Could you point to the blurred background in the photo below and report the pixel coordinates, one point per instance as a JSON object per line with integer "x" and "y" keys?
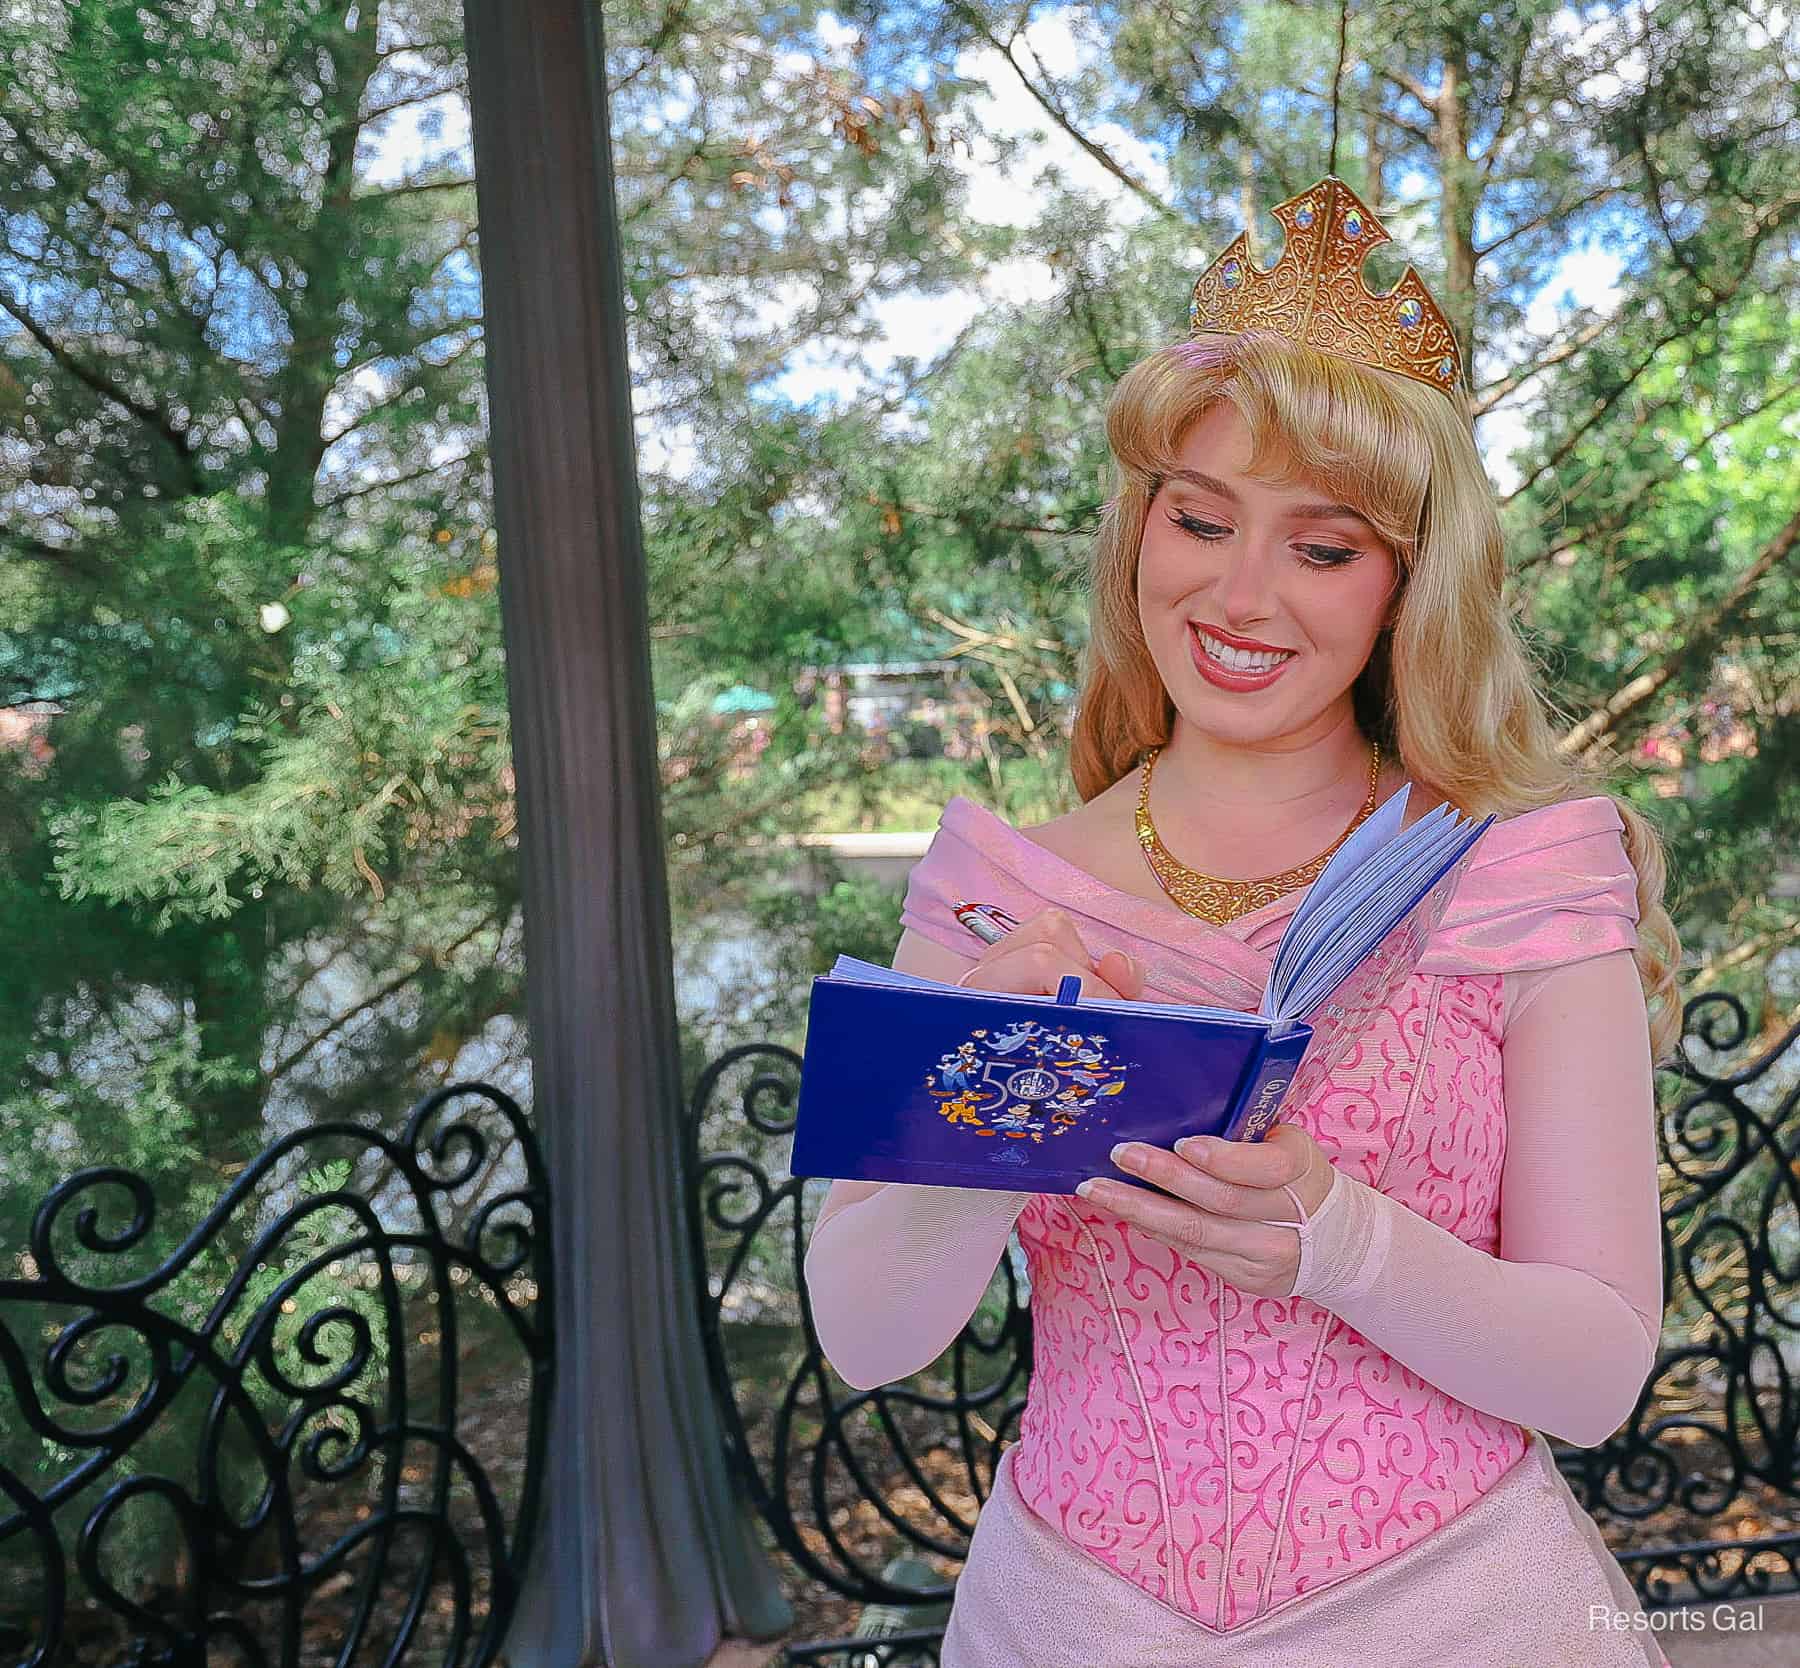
{"x": 883, "y": 264}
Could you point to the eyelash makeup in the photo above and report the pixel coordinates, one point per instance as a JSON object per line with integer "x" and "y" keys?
{"x": 1326, "y": 555}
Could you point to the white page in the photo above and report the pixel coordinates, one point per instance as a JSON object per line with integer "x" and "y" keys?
{"x": 1384, "y": 898}
{"x": 852, "y": 970}
{"x": 1402, "y": 854}
{"x": 1334, "y": 964}
{"x": 1328, "y": 966}
{"x": 1375, "y": 830}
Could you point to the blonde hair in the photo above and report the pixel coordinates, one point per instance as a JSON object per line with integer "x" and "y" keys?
{"x": 1448, "y": 689}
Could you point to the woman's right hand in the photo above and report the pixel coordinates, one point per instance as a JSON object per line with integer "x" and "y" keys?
{"x": 1039, "y": 953}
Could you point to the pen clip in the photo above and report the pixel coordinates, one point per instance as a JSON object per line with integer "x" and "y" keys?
{"x": 1068, "y": 990}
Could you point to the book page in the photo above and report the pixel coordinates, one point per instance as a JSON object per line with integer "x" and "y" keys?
{"x": 1386, "y": 888}
{"x": 856, "y": 971}
{"x": 1331, "y": 930}
{"x": 1327, "y": 963}
{"x": 1346, "y": 1013}
{"x": 1365, "y": 841}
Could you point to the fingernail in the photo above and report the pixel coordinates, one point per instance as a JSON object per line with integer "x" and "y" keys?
{"x": 1085, "y": 1188}
{"x": 1196, "y": 1148}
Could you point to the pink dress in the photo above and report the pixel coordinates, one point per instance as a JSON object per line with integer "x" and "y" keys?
{"x": 1355, "y": 1472}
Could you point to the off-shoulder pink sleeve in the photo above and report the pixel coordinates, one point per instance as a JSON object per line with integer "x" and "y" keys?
{"x": 1559, "y": 1331}
{"x": 1550, "y": 887}
{"x": 893, "y": 1272}
{"x": 962, "y": 864}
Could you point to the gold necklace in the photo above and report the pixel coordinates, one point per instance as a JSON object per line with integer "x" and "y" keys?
{"x": 1222, "y": 901}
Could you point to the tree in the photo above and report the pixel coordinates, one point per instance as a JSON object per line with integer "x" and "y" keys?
{"x": 263, "y": 811}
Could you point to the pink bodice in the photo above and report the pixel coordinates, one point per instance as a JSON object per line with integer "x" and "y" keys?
{"x": 1229, "y": 1453}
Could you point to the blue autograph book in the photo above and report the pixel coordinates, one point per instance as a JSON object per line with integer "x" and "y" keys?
{"x": 911, "y": 1079}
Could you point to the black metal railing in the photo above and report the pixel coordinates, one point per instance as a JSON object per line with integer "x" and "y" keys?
{"x": 1699, "y": 1492}
{"x": 1713, "y": 1442}
{"x": 256, "y": 1440}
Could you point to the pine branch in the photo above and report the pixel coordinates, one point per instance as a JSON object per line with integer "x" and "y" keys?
{"x": 90, "y": 377}
{"x": 1606, "y": 719}
{"x": 1622, "y": 514}
{"x": 73, "y": 561}
{"x": 1562, "y": 211}
{"x": 400, "y": 480}
{"x": 1509, "y": 98}
{"x": 1409, "y": 83}
{"x": 374, "y": 1000}
{"x": 1055, "y": 111}
{"x": 1678, "y": 330}
{"x": 1503, "y": 388}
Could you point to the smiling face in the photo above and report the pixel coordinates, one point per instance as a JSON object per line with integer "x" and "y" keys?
{"x": 1280, "y": 566}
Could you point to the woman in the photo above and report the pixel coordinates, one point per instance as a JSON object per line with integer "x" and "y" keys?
{"x": 1291, "y": 1408}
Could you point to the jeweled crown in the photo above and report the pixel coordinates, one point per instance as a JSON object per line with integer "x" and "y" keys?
{"x": 1315, "y": 293}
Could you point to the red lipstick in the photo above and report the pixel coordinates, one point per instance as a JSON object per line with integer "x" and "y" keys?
{"x": 1232, "y": 638}
{"x": 1223, "y": 676}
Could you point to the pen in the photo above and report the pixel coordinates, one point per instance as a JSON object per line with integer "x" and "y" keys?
{"x": 988, "y": 922}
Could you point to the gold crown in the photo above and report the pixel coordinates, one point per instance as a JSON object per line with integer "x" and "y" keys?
{"x": 1315, "y": 293}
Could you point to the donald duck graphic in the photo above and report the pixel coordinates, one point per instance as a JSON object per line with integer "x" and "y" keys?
{"x": 1024, "y": 1082}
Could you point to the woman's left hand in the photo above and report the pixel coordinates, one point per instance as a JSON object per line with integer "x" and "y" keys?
{"x": 1229, "y": 1208}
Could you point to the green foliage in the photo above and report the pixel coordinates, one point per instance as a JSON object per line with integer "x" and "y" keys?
{"x": 849, "y": 917}
{"x": 257, "y": 862}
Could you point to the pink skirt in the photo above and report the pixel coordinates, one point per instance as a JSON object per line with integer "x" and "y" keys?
{"x": 1520, "y": 1577}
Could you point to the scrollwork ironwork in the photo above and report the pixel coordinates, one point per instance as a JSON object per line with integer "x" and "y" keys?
{"x": 299, "y": 1429}
{"x": 1715, "y": 1439}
